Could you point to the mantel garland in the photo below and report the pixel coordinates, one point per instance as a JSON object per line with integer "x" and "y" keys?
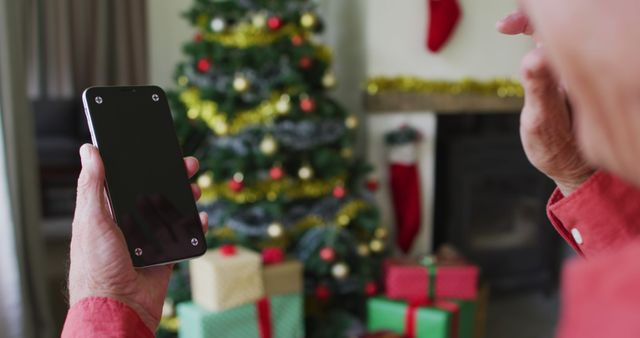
{"x": 501, "y": 87}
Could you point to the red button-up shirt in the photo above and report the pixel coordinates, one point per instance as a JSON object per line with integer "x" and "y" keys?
{"x": 600, "y": 294}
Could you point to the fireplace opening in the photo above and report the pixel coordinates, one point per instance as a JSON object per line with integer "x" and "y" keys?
{"x": 490, "y": 202}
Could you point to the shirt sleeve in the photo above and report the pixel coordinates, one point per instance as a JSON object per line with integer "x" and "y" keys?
{"x": 600, "y": 296}
{"x": 600, "y": 215}
{"x": 103, "y": 317}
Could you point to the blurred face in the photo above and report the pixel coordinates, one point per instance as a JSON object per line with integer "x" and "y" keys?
{"x": 594, "y": 47}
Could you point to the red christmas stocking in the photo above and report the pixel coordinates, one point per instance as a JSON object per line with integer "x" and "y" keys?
{"x": 443, "y": 19}
{"x": 405, "y": 185}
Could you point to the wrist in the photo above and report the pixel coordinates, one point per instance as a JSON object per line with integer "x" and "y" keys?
{"x": 569, "y": 186}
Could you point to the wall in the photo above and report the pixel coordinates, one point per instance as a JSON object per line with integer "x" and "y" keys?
{"x": 396, "y": 35}
{"x": 167, "y": 32}
{"x": 390, "y": 37}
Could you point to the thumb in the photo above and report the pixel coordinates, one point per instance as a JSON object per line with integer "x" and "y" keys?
{"x": 90, "y": 193}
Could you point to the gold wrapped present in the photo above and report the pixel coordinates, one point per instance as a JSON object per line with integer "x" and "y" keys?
{"x": 226, "y": 277}
{"x": 282, "y": 278}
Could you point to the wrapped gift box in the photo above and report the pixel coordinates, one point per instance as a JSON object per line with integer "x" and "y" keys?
{"x": 273, "y": 317}
{"x": 225, "y": 278}
{"x": 282, "y": 278}
{"x": 409, "y": 280}
{"x": 382, "y": 334}
{"x": 467, "y": 318}
{"x": 436, "y": 321}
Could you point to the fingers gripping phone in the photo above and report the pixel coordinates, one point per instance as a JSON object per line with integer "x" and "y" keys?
{"x": 146, "y": 180}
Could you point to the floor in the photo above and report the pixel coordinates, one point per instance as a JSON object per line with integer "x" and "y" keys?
{"x": 522, "y": 316}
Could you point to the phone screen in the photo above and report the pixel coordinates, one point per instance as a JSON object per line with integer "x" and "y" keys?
{"x": 146, "y": 179}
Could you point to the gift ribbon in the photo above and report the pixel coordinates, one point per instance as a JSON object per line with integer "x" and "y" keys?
{"x": 263, "y": 310}
{"x": 432, "y": 270}
{"x": 411, "y": 322}
{"x": 410, "y": 325}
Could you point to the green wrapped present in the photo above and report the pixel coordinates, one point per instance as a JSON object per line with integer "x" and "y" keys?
{"x": 273, "y": 317}
{"x": 437, "y": 320}
{"x": 466, "y": 318}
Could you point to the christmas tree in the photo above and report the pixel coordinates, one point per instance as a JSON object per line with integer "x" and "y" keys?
{"x": 277, "y": 167}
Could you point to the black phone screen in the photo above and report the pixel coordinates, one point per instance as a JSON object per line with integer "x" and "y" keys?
{"x": 146, "y": 179}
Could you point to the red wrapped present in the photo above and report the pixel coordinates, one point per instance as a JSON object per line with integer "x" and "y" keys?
{"x": 420, "y": 281}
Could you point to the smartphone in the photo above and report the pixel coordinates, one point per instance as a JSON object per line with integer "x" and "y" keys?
{"x": 148, "y": 190}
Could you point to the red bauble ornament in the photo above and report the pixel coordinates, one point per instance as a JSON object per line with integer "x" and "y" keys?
{"x": 228, "y": 250}
{"x": 305, "y": 62}
{"x": 297, "y": 40}
{"x": 339, "y": 192}
{"x": 272, "y": 256}
{"x": 235, "y": 186}
{"x": 327, "y": 254}
{"x": 372, "y": 185}
{"x": 274, "y": 23}
{"x": 197, "y": 37}
{"x": 204, "y": 65}
{"x": 322, "y": 292}
{"x": 370, "y": 288}
{"x": 307, "y": 105}
{"x": 276, "y": 173}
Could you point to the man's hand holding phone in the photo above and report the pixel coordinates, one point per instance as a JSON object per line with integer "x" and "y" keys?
{"x": 101, "y": 265}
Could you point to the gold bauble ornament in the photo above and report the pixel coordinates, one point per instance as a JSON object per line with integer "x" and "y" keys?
{"x": 381, "y": 233}
{"x": 205, "y": 180}
{"x": 275, "y": 230}
{"x": 363, "y": 250}
{"x": 346, "y": 153}
{"x": 272, "y": 196}
{"x": 344, "y": 220}
{"x": 259, "y": 20}
{"x": 268, "y": 146}
{"x": 283, "y": 105}
{"x": 240, "y": 83}
{"x": 183, "y": 80}
{"x": 305, "y": 172}
{"x": 329, "y": 80}
{"x": 308, "y": 20}
{"x": 376, "y": 245}
{"x": 340, "y": 270}
{"x": 351, "y": 122}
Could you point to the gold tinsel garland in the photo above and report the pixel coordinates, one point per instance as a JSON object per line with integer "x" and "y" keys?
{"x": 246, "y": 35}
{"x": 207, "y": 110}
{"x": 502, "y": 87}
{"x": 271, "y": 189}
{"x": 342, "y": 218}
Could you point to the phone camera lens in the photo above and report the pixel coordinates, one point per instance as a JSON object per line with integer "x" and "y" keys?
{"x": 194, "y": 241}
{"x": 138, "y": 252}
{"x": 98, "y": 99}
{"x": 155, "y": 97}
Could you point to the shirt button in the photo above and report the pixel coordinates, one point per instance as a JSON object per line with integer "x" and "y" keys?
{"x": 577, "y": 236}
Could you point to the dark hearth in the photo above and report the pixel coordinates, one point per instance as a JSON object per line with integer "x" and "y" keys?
{"x": 490, "y": 202}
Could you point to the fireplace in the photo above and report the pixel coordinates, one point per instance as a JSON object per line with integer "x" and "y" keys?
{"x": 490, "y": 202}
